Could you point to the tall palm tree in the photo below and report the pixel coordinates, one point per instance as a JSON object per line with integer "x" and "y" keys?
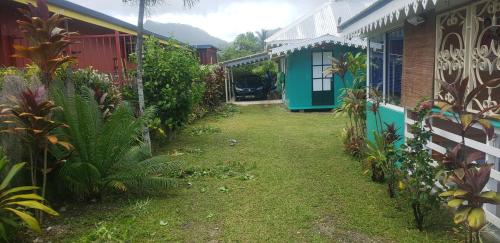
{"x": 262, "y": 35}
{"x": 140, "y": 41}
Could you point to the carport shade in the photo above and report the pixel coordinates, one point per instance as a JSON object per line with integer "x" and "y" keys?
{"x": 242, "y": 61}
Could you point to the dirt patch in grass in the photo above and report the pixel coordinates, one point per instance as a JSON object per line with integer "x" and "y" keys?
{"x": 328, "y": 227}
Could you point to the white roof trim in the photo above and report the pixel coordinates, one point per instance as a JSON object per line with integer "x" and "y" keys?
{"x": 286, "y": 49}
{"x": 390, "y": 13}
{"x": 255, "y": 58}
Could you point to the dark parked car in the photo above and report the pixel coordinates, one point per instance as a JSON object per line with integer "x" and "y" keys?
{"x": 250, "y": 87}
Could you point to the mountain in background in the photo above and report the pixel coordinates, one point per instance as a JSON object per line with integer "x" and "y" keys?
{"x": 185, "y": 33}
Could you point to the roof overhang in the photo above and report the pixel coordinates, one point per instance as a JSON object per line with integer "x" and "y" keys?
{"x": 87, "y": 15}
{"x": 326, "y": 39}
{"x": 383, "y": 13}
{"x": 255, "y": 58}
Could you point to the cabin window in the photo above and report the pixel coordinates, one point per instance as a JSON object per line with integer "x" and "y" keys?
{"x": 394, "y": 66}
{"x": 377, "y": 63}
{"x": 386, "y": 65}
{"x": 321, "y": 61}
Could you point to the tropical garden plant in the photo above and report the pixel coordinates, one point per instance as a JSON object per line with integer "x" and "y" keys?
{"x": 46, "y": 40}
{"x": 172, "y": 82}
{"x": 108, "y": 155}
{"x": 418, "y": 180}
{"x": 15, "y": 203}
{"x": 213, "y": 80}
{"x": 383, "y": 156}
{"x": 464, "y": 177}
{"x": 29, "y": 116}
{"x": 107, "y": 94}
{"x": 353, "y": 100}
{"x": 377, "y": 173}
{"x": 143, "y": 5}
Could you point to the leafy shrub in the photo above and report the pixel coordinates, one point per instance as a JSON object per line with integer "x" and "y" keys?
{"x": 108, "y": 154}
{"x": 419, "y": 174}
{"x": 15, "y": 202}
{"x": 28, "y": 74}
{"x": 213, "y": 79}
{"x": 106, "y": 93}
{"x": 170, "y": 75}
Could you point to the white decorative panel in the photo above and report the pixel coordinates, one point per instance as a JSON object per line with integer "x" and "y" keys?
{"x": 468, "y": 42}
{"x": 485, "y": 53}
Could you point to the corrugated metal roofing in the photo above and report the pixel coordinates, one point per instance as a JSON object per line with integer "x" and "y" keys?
{"x": 322, "y": 21}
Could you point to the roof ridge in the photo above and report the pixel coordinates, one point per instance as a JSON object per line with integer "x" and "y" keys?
{"x": 302, "y": 18}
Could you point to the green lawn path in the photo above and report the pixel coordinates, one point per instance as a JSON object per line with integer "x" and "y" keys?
{"x": 298, "y": 186}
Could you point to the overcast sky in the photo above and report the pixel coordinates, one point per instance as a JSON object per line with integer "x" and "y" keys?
{"x": 221, "y": 18}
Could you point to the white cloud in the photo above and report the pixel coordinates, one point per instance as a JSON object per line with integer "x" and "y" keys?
{"x": 234, "y": 18}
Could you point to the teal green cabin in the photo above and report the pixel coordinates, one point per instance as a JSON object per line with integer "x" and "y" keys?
{"x": 305, "y": 89}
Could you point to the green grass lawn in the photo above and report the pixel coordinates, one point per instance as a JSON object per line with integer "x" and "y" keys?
{"x": 285, "y": 179}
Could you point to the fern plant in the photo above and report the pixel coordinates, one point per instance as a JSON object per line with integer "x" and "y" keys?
{"x": 15, "y": 202}
{"x": 107, "y": 153}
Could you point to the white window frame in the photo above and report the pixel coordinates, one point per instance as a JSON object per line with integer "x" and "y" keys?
{"x": 323, "y": 65}
{"x": 384, "y": 73}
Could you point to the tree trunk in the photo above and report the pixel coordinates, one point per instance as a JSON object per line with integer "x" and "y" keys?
{"x": 139, "y": 47}
{"x": 419, "y": 218}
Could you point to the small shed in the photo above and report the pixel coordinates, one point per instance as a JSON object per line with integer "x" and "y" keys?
{"x": 306, "y": 48}
{"x": 207, "y": 54}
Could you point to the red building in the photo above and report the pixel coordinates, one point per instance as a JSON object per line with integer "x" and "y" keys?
{"x": 207, "y": 54}
{"x": 104, "y": 42}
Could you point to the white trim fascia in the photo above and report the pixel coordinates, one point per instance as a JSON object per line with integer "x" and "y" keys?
{"x": 388, "y": 14}
{"x": 286, "y": 49}
{"x": 389, "y": 106}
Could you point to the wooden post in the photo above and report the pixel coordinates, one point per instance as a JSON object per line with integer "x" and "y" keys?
{"x": 119, "y": 56}
{"x": 226, "y": 74}
{"x": 231, "y": 86}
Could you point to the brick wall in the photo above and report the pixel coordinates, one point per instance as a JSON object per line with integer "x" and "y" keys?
{"x": 418, "y": 61}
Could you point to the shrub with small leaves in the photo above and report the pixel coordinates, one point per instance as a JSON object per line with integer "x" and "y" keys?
{"x": 419, "y": 174}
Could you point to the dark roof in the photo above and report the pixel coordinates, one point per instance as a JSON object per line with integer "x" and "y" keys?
{"x": 376, "y": 5}
{"x": 92, "y": 13}
{"x": 204, "y": 47}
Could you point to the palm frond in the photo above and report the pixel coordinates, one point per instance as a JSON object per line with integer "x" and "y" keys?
{"x": 107, "y": 153}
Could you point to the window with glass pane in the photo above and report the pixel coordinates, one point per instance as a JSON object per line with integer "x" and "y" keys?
{"x": 394, "y": 66}
{"x": 321, "y": 61}
{"x": 376, "y": 63}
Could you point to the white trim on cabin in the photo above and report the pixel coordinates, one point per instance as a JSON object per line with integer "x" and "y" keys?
{"x": 326, "y": 39}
